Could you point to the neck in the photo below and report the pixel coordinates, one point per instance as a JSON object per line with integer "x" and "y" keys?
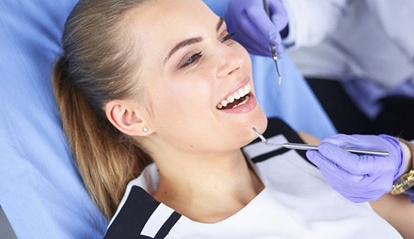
{"x": 208, "y": 189}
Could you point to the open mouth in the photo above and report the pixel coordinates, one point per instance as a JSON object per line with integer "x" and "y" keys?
{"x": 238, "y": 98}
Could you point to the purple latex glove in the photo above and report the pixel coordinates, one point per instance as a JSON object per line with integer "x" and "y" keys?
{"x": 253, "y": 28}
{"x": 359, "y": 178}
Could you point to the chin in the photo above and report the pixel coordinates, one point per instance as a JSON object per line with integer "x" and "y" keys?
{"x": 262, "y": 125}
{"x": 259, "y": 121}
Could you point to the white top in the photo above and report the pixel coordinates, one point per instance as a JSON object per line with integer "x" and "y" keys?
{"x": 296, "y": 203}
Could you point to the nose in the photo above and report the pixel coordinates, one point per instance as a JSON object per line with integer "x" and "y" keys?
{"x": 229, "y": 61}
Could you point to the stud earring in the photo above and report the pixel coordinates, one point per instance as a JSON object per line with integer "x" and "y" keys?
{"x": 145, "y": 129}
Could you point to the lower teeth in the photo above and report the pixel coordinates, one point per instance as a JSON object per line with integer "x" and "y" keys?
{"x": 242, "y": 103}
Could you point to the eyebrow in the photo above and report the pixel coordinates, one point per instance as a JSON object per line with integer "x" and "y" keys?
{"x": 190, "y": 41}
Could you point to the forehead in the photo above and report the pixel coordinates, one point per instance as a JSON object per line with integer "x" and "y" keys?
{"x": 170, "y": 12}
{"x": 163, "y": 23}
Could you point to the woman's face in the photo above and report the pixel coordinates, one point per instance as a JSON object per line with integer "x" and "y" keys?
{"x": 190, "y": 69}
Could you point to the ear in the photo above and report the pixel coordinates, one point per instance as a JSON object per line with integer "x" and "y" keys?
{"x": 126, "y": 118}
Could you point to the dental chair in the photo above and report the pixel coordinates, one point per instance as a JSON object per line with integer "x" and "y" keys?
{"x": 41, "y": 192}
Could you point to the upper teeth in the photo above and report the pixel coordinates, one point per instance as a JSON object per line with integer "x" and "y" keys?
{"x": 236, "y": 95}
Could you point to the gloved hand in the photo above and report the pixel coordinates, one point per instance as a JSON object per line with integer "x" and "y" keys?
{"x": 253, "y": 28}
{"x": 360, "y": 178}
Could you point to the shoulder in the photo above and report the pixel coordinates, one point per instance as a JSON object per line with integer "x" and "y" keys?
{"x": 130, "y": 220}
{"x": 138, "y": 209}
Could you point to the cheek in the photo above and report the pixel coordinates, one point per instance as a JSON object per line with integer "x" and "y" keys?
{"x": 179, "y": 111}
{"x": 181, "y": 99}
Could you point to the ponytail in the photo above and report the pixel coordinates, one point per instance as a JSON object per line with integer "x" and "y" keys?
{"x": 107, "y": 159}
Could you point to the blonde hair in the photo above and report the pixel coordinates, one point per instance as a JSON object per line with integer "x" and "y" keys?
{"x": 98, "y": 64}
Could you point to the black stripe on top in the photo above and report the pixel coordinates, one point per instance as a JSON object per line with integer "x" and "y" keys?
{"x": 133, "y": 216}
{"x": 276, "y": 127}
{"x": 168, "y": 225}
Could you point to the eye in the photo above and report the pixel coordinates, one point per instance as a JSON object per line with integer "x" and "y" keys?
{"x": 227, "y": 37}
{"x": 192, "y": 59}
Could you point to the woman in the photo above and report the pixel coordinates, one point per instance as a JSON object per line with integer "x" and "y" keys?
{"x": 162, "y": 81}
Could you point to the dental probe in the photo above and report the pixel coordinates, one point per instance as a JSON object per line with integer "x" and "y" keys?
{"x": 273, "y": 47}
{"x": 315, "y": 147}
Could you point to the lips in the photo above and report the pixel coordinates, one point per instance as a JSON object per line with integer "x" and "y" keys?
{"x": 238, "y": 98}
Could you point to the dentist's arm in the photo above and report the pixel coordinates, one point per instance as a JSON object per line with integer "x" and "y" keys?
{"x": 310, "y": 22}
